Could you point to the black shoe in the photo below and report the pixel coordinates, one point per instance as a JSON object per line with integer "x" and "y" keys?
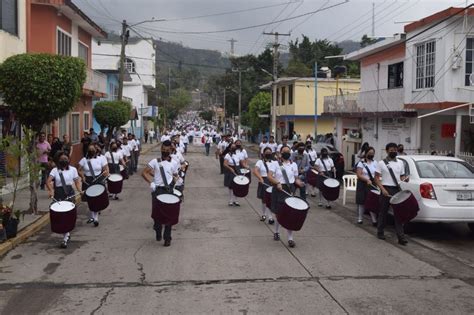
{"x": 359, "y": 221}
{"x": 313, "y": 195}
{"x": 63, "y": 244}
{"x": 374, "y": 224}
{"x": 263, "y": 218}
{"x": 291, "y": 243}
{"x": 90, "y": 221}
{"x": 276, "y": 236}
{"x": 158, "y": 235}
{"x": 96, "y": 223}
{"x": 402, "y": 241}
{"x": 236, "y": 204}
{"x": 167, "y": 243}
{"x": 328, "y": 207}
{"x": 116, "y": 198}
{"x": 230, "y": 204}
{"x": 380, "y": 236}
{"x": 271, "y": 221}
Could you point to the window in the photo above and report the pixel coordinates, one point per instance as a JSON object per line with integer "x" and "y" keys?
{"x": 86, "y": 121}
{"x": 75, "y": 134}
{"x": 444, "y": 169}
{"x": 283, "y": 96}
{"x": 290, "y": 94}
{"x": 425, "y": 65}
{"x": 9, "y": 16}
{"x": 395, "y": 75}
{"x": 469, "y": 60}
{"x": 63, "y": 43}
{"x": 113, "y": 91}
{"x": 62, "y": 128}
{"x": 84, "y": 53}
{"x": 129, "y": 65}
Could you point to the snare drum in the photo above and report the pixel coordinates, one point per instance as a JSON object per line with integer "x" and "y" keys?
{"x": 293, "y": 213}
{"x": 166, "y": 209}
{"x": 123, "y": 172}
{"x": 312, "y": 177}
{"x": 267, "y": 197}
{"x": 178, "y": 193}
{"x": 372, "y": 201}
{"x": 97, "y": 198}
{"x": 330, "y": 189}
{"x": 115, "y": 183}
{"x": 240, "y": 186}
{"x": 246, "y": 173}
{"x": 405, "y": 207}
{"x": 63, "y": 215}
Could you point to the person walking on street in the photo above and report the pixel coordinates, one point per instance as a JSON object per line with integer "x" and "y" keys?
{"x": 93, "y": 136}
{"x": 86, "y": 142}
{"x": 387, "y": 176}
{"x": 67, "y": 145}
{"x": 325, "y": 166}
{"x": 301, "y": 158}
{"x": 365, "y": 170}
{"x": 43, "y": 148}
{"x": 152, "y": 135}
{"x": 207, "y": 143}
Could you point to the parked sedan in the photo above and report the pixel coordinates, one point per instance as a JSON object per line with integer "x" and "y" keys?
{"x": 443, "y": 186}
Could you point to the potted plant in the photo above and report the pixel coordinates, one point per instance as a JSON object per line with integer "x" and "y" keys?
{"x": 3, "y": 234}
{"x": 10, "y": 220}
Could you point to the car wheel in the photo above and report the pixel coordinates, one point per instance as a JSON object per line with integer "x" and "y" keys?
{"x": 471, "y": 227}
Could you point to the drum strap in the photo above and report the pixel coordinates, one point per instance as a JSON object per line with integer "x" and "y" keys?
{"x": 163, "y": 176}
{"x": 266, "y": 166}
{"x": 325, "y": 167}
{"x": 285, "y": 177}
{"x": 237, "y": 167}
{"x": 391, "y": 173}
{"x": 91, "y": 169}
{"x": 63, "y": 182}
{"x": 368, "y": 172}
{"x": 113, "y": 161}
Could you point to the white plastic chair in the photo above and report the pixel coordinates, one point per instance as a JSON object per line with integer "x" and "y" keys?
{"x": 350, "y": 184}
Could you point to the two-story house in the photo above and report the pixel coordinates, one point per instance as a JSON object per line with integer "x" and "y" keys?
{"x": 295, "y": 104}
{"x": 60, "y": 27}
{"x": 140, "y": 68}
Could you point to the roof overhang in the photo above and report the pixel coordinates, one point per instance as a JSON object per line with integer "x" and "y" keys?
{"x": 438, "y": 16}
{"x": 284, "y": 81}
{"x": 388, "y": 114}
{"x": 72, "y": 12}
{"x": 377, "y": 47}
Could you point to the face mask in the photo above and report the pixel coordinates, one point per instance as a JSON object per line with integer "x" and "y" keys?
{"x": 324, "y": 155}
{"x": 268, "y": 156}
{"x": 370, "y": 157}
{"x": 239, "y": 147}
{"x": 91, "y": 153}
{"x": 300, "y": 150}
{"x": 63, "y": 164}
{"x": 114, "y": 149}
{"x": 286, "y": 155}
{"x": 165, "y": 155}
{"x": 392, "y": 155}
{"x": 308, "y": 147}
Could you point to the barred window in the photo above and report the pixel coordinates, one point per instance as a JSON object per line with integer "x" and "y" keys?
{"x": 63, "y": 43}
{"x": 425, "y": 65}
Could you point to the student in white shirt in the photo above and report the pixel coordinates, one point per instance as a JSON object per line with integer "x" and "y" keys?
{"x": 184, "y": 139}
{"x": 90, "y": 177}
{"x": 114, "y": 160}
{"x": 263, "y": 144}
{"x": 283, "y": 187}
{"x": 324, "y": 165}
{"x": 389, "y": 187}
{"x": 261, "y": 170}
{"x": 161, "y": 185}
{"x": 127, "y": 155}
{"x": 231, "y": 164}
{"x": 70, "y": 176}
{"x": 365, "y": 170}
{"x": 272, "y": 144}
{"x": 136, "y": 152}
{"x": 207, "y": 143}
{"x": 284, "y": 142}
{"x": 313, "y": 156}
{"x": 221, "y": 147}
{"x": 151, "y": 133}
{"x": 244, "y": 157}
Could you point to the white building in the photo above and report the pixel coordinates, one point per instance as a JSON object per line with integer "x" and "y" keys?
{"x": 140, "y": 65}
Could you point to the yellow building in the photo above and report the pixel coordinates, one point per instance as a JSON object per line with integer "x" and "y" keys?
{"x": 295, "y": 104}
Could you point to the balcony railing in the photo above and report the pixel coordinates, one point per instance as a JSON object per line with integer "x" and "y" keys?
{"x": 388, "y": 100}
{"x": 96, "y": 82}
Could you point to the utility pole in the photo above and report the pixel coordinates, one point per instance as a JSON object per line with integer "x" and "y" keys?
{"x": 225, "y": 121}
{"x": 373, "y": 19}
{"x": 124, "y": 41}
{"x": 232, "y": 42}
{"x": 316, "y": 101}
{"x": 240, "y": 97}
{"x": 276, "y": 45}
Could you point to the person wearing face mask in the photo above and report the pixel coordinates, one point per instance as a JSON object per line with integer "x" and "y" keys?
{"x": 365, "y": 170}
{"x": 325, "y": 166}
{"x": 401, "y": 150}
{"x": 284, "y": 177}
{"x": 114, "y": 160}
{"x": 313, "y": 156}
{"x": 272, "y": 144}
{"x": 207, "y": 143}
{"x": 388, "y": 173}
{"x": 261, "y": 170}
{"x": 232, "y": 161}
{"x": 263, "y": 144}
{"x": 221, "y": 148}
{"x": 60, "y": 185}
{"x": 92, "y": 168}
{"x": 301, "y": 158}
{"x": 160, "y": 173}
{"x": 244, "y": 157}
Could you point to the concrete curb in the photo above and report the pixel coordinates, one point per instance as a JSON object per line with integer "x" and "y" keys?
{"x": 24, "y": 234}
{"x": 37, "y": 225}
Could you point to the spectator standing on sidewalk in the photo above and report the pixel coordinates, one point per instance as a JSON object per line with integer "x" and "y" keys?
{"x": 146, "y": 135}
{"x": 152, "y": 135}
{"x": 43, "y": 148}
{"x": 86, "y": 141}
{"x": 67, "y": 146}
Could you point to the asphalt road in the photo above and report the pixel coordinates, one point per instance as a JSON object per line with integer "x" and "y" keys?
{"x": 224, "y": 260}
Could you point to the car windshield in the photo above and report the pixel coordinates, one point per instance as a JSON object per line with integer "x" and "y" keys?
{"x": 444, "y": 169}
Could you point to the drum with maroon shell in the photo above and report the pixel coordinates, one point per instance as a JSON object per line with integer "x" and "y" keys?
{"x": 97, "y": 198}
{"x": 123, "y": 172}
{"x": 312, "y": 177}
{"x": 293, "y": 213}
{"x": 372, "y": 201}
{"x": 166, "y": 209}
{"x": 115, "y": 183}
{"x": 405, "y": 206}
{"x": 267, "y": 197}
{"x": 63, "y": 215}
{"x": 240, "y": 186}
{"x": 330, "y": 189}
{"x": 246, "y": 173}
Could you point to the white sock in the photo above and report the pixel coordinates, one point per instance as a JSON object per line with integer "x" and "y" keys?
{"x": 231, "y": 196}
{"x": 373, "y": 216}
{"x": 270, "y": 216}
{"x": 66, "y": 236}
{"x": 277, "y": 227}
{"x": 320, "y": 197}
{"x": 361, "y": 210}
{"x": 290, "y": 235}
{"x": 264, "y": 209}
{"x": 95, "y": 216}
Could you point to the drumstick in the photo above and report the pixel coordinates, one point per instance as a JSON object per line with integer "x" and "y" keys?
{"x": 281, "y": 190}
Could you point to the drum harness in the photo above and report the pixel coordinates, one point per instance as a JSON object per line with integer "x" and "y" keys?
{"x": 63, "y": 183}
{"x": 370, "y": 174}
{"x": 287, "y": 181}
{"x": 163, "y": 176}
{"x": 392, "y": 174}
{"x": 237, "y": 168}
{"x": 117, "y": 168}
{"x": 95, "y": 178}
{"x": 325, "y": 168}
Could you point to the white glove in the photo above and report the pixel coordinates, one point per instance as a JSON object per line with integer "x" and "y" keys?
{"x": 152, "y": 187}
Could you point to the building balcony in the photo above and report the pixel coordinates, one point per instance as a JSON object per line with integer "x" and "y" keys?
{"x": 365, "y": 103}
{"x": 96, "y": 84}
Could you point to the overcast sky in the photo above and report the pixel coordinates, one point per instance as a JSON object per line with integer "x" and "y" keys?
{"x": 347, "y": 21}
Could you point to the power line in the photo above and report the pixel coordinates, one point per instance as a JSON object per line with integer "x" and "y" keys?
{"x": 307, "y": 18}
{"x": 254, "y": 26}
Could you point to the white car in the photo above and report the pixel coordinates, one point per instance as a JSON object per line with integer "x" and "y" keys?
{"x": 443, "y": 187}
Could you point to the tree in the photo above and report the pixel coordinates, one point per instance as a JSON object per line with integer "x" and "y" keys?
{"x": 207, "y": 115}
{"x": 40, "y": 88}
{"x": 366, "y": 41}
{"x": 111, "y": 115}
{"x": 178, "y": 101}
{"x": 259, "y": 105}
